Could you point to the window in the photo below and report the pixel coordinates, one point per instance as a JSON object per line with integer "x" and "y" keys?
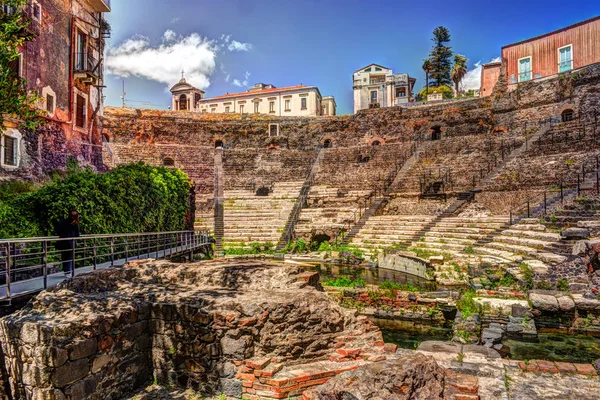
{"x": 182, "y": 102}
{"x": 436, "y": 133}
{"x": 288, "y": 105}
{"x": 374, "y": 96}
{"x": 81, "y": 51}
{"x": 271, "y": 106}
{"x": 327, "y": 143}
{"x": 213, "y": 110}
{"x": 401, "y": 92}
{"x": 50, "y": 104}
{"x": 168, "y": 162}
{"x": 524, "y": 69}
{"x": 241, "y": 108}
{"x": 273, "y": 130}
{"x": 204, "y": 110}
{"x": 256, "y": 106}
{"x": 565, "y": 58}
{"x": 80, "y": 108}
{"x": 10, "y": 151}
{"x": 567, "y": 115}
{"x": 36, "y": 11}
{"x": 303, "y": 103}
{"x": 6, "y": 9}
{"x": 227, "y": 109}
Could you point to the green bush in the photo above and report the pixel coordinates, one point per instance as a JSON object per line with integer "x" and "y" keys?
{"x": 129, "y": 198}
{"x": 343, "y": 281}
{"x": 466, "y": 304}
{"x": 444, "y": 90}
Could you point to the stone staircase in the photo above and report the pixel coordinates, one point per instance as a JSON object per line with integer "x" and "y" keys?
{"x": 290, "y": 225}
{"x": 379, "y": 201}
{"x": 249, "y": 218}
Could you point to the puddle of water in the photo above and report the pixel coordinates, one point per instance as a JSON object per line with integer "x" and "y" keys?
{"x": 556, "y": 347}
{"x": 411, "y": 340}
{"x": 370, "y": 275}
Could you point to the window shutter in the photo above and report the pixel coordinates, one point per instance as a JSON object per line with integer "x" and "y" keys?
{"x": 10, "y": 151}
{"x": 80, "y": 112}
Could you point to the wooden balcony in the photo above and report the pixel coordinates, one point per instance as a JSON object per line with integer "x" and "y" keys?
{"x": 100, "y": 5}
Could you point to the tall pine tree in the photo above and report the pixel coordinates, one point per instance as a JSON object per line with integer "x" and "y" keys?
{"x": 441, "y": 57}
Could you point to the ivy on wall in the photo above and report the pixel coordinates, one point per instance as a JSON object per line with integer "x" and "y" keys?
{"x": 129, "y": 198}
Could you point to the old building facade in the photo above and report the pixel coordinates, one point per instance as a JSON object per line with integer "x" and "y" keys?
{"x": 293, "y": 101}
{"x": 376, "y": 86}
{"x": 63, "y": 65}
{"x": 560, "y": 51}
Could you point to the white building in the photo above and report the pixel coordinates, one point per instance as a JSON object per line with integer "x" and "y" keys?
{"x": 262, "y": 98}
{"x": 376, "y": 86}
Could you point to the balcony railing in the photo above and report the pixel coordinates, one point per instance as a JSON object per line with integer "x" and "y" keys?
{"x": 85, "y": 62}
{"x": 101, "y": 5}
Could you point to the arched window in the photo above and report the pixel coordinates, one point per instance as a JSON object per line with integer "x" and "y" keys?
{"x": 327, "y": 143}
{"x": 218, "y": 143}
{"x": 567, "y": 115}
{"x": 183, "y": 102}
{"x": 376, "y": 143}
{"x": 168, "y": 162}
{"x": 436, "y": 133}
{"x": 262, "y": 191}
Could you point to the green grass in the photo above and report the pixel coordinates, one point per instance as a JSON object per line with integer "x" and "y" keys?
{"x": 391, "y": 285}
{"x": 466, "y": 304}
{"x": 343, "y": 281}
{"x": 562, "y": 285}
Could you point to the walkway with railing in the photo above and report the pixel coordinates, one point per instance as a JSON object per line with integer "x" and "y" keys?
{"x": 33, "y": 264}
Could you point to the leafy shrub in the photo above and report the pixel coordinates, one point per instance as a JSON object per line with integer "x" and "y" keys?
{"x": 444, "y": 90}
{"x": 129, "y": 198}
{"x": 562, "y": 285}
{"x": 407, "y": 287}
{"x": 466, "y": 304}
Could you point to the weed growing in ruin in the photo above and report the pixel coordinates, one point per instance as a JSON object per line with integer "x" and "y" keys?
{"x": 507, "y": 281}
{"x": 527, "y": 272}
{"x": 343, "y": 281}
{"x": 391, "y": 285}
{"x": 456, "y": 267}
{"x": 466, "y": 304}
{"x": 460, "y": 357}
{"x": 544, "y": 285}
{"x": 469, "y": 250}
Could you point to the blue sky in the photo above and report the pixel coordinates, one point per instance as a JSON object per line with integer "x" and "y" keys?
{"x": 228, "y": 45}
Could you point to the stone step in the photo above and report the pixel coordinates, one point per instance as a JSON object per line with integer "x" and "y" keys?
{"x": 442, "y": 246}
{"x": 546, "y": 236}
{"x": 537, "y": 227}
{"x": 523, "y": 242}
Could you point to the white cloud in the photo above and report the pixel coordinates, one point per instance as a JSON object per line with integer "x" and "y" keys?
{"x": 175, "y": 20}
{"x": 225, "y": 38}
{"x": 193, "y": 54}
{"x": 238, "y": 46}
{"x": 472, "y": 79}
{"x": 169, "y": 35}
{"x": 227, "y": 78}
{"x": 236, "y": 82}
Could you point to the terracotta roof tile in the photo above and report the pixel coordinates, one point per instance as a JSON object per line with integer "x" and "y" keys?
{"x": 259, "y": 92}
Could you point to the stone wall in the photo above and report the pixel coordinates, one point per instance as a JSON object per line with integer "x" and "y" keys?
{"x": 104, "y": 334}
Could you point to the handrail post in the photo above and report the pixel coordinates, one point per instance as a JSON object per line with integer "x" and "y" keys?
{"x": 8, "y": 266}
{"x": 510, "y": 217}
{"x": 95, "y": 254}
{"x": 112, "y": 251}
{"x": 578, "y": 184}
{"x": 545, "y": 210}
{"x": 73, "y": 257}
{"x": 45, "y": 263}
{"x": 561, "y": 192}
{"x": 528, "y": 214}
{"x": 126, "y": 248}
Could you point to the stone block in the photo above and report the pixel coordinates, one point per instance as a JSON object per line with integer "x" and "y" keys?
{"x": 566, "y": 303}
{"x": 585, "y": 369}
{"x": 58, "y": 356}
{"x": 100, "y": 362}
{"x": 575, "y": 233}
{"x": 70, "y": 372}
{"x": 231, "y": 387}
{"x": 82, "y": 349}
{"x": 543, "y": 302}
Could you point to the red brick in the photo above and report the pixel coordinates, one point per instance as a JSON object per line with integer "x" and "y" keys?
{"x": 376, "y": 357}
{"x": 278, "y": 382}
{"x": 258, "y": 364}
{"x": 522, "y": 365}
{"x": 247, "y": 384}
{"x": 585, "y": 369}
{"x": 390, "y": 348}
{"x": 314, "y": 382}
{"x": 566, "y": 368}
{"x": 378, "y": 343}
{"x": 341, "y": 370}
{"x": 245, "y": 377}
{"x": 237, "y": 363}
{"x": 248, "y": 321}
{"x": 547, "y": 366}
{"x": 349, "y": 352}
{"x": 462, "y": 396}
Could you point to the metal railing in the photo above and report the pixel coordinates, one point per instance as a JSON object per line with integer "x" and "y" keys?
{"x": 32, "y": 264}
{"x": 587, "y": 179}
{"x": 85, "y": 62}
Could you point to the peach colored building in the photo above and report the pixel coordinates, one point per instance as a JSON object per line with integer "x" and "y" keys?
{"x": 490, "y": 73}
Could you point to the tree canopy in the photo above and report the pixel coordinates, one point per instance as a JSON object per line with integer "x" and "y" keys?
{"x": 459, "y": 70}
{"x": 441, "y": 57}
{"x": 14, "y": 32}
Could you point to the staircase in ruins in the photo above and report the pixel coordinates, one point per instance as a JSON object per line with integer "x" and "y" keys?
{"x": 218, "y": 192}
{"x": 379, "y": 201}
{"x": 290, "y": 224}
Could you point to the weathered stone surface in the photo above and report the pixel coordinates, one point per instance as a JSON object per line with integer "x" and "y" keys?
{"x": 70, "y": 372}
{"x": 575, "y": 233}
{"x": 412, "y": 377}
{"x": 491, "y": 335}
{"x": 544, "y": 302}
{"x": 82, "y": 349}
{"x": 566, "y": 303}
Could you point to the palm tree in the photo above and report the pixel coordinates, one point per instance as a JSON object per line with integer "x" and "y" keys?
{"x": 427, "y": 67}
{"x": 459, "y": 70}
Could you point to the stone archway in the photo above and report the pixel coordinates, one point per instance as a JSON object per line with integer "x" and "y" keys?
{"x": 436, "y": 132}
{"x": 567, "y": 115}
{"x": 327, "y": 144}
{"x": 262, "y": 191}
{"x": 219, "y": 143}
{"x": 168, "y": 162}
{"x": 376, "y": 141}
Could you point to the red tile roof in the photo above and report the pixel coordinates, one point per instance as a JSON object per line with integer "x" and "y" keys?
{"x": 259, "y": 92}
